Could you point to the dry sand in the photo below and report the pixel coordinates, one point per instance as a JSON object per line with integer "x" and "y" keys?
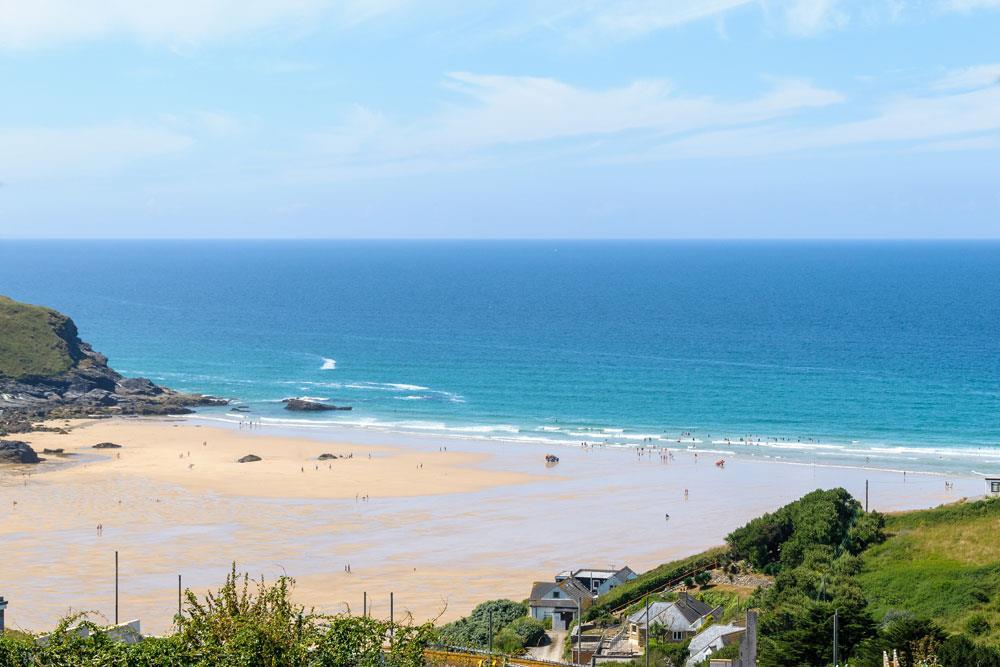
{"x": 444, "y": 530}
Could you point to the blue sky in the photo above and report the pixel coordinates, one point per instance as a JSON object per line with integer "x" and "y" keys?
{"x": 440, "y": 118}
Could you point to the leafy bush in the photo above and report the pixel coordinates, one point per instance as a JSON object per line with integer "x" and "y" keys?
{"x": 821, "y": 518}
{"x": 240, "y": 624}
{"x": 529, "y": 631}
{"x": 977, "y": 625}
{"x": 958, "y": 651}
{"x": 473, "y": 631}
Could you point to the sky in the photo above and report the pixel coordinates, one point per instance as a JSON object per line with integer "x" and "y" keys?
{"x": 500, "y": 119}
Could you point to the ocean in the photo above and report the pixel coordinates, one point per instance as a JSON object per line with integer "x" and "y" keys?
{"x": 855, "y": 353}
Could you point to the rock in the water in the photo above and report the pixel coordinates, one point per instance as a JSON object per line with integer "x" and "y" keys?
{"x": 15, "y": 451}
{"x": 142, "y": 386}
{"x": 327, "y": 457}
{"x": 301, "y": 405}
{"x": 59, "y": 451}
{"x": 107, "y": 445}
{"x": 249, "y": 458}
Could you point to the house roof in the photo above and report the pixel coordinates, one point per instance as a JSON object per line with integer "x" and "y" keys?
{"x": 677, "y": 615}
{"x": 573, "y": 589}
{"x": 692, "y": 608}
{"x": 594, "y": 572}
{"x": 706, "y": 638}
{"x": 540, "y": 588}
{"x": 655, "y": 609}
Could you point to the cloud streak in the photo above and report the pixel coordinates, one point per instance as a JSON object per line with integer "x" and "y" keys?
{"x": 30, "y": 153}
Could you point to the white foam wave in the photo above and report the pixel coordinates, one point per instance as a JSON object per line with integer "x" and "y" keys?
{"x": 410, "y": 398}
{"x": 328, "y": 364}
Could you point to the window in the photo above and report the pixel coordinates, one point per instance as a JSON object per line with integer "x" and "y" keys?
{"x": 678, "y": 636}
{"x": 555, "y": 594}
{"x": 994, "y": 487}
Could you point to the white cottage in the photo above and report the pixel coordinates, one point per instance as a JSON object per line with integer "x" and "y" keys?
{"x": 992, "y": 487}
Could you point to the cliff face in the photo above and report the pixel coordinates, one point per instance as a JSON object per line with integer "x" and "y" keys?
{"x": 46, "y": 371}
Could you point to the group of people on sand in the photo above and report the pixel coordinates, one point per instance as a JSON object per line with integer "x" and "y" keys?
{"x": 250, "y": 422}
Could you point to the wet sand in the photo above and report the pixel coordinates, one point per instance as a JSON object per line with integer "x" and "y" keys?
{"x": 443, "y": 530}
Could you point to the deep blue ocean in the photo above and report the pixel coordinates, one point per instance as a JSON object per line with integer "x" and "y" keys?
{"x": 887, "y": 353}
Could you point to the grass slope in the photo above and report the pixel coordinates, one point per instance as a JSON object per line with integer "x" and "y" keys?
{"x": 34, "y": 341}
{"x": 942, "y": 563}
{"x": 653, "y": 581}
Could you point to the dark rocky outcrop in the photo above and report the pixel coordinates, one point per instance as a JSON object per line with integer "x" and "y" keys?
{"x": 47, "y": 372}
{"x": 327, "y": 457}
{"x": 59, "y": 451}
{"x": 107, "y": 445}
{"x": 15, "y": 451}
{"x": 301, "y": 405}
{"x": 249, "y": 458}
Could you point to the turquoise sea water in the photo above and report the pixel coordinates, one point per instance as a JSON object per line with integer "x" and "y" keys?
{"x": 886, "y": 353}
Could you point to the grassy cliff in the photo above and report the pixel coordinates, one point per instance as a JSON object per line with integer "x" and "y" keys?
{"x": 35, "y": 341}
{"x": 925, "y": 583}
{"x": 942, "y": 564}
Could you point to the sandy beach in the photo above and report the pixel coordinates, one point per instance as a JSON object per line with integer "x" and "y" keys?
{"x": 446, "y": 524}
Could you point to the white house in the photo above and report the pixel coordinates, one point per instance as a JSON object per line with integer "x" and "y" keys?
{"x": 713, "y": 638}
{"x": 559, "y": 601}
{"x": 597, "y": 580}
{"x": 679, "y": 620}
{"x": 992, "y": 487}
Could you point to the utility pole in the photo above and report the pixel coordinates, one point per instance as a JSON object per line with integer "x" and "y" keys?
{"x": 836, "y": 628}
{"x": 866, "y": 495}
{"x": 648, "y": 628}
{"x": 178, "y": 595}
{"x": 116, "y": 588}
{"x": 364, "y": 605}
{"x": 579, "y": 629}
{"x": 491, "y": 634}
{"x": 391, "y": 629}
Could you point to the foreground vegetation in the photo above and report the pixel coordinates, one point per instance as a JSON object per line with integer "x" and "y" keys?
{"x": 243, "y": 623}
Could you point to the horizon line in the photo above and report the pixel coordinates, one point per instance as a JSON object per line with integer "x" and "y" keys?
{"x": 501, "y": 239}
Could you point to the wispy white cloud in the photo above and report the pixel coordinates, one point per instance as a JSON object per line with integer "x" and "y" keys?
{"x": 534, "y": 116}
{"x": 37, "y": 23}
{"x": 183, "y": 23}
{"x": 29, "y": 153}
{"x": 968, "y": 78}
{"x": 907, "y": 121}
{"x": 969, "y": 5}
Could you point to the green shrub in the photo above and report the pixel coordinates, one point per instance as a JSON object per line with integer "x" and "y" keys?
{"x": 473, "y": 630}
{"x": 240, "y": 624}
{"x": 822, "y": 518}
{"x": 977, "y": 624}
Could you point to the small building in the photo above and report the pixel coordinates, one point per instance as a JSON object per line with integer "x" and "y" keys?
{"x": 559, "y": 601}
{"x": 597, "y": 580}
{"x": 710, "y": 640}
{"x": 992, "y": 487}
{"x": 677, "y": 620}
